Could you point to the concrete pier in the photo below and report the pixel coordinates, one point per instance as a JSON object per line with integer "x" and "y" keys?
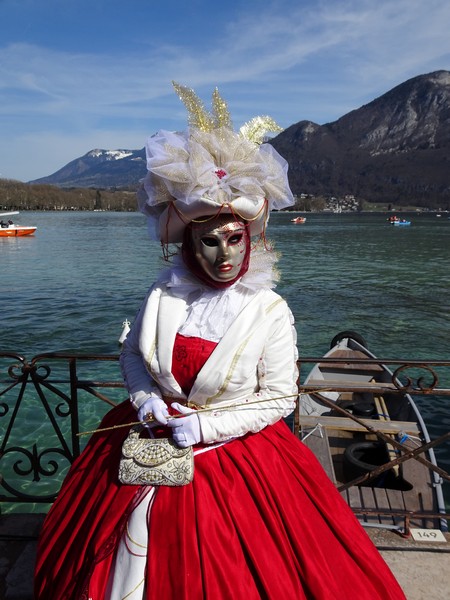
{"x": 421, "y": 568}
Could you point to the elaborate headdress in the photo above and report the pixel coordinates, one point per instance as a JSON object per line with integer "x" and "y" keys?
{"x": 211, "y": 169}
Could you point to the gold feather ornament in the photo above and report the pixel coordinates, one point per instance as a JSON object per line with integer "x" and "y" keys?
{"x": 257, "y": 128}
{"x": 221, "y": 113}
{"x": 198, "y": 117}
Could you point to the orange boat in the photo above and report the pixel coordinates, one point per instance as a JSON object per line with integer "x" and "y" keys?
{"x": 9, "y": 229}
{"x": 298, "y": 220}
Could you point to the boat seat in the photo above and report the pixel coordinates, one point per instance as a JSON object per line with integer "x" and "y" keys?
{"x": 348, "y": 424}
{"x": 342, "y": 384}
{"x": 356, "y": 366}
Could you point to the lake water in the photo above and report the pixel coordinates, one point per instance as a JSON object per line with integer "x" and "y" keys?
{"x": 71, "y": 285}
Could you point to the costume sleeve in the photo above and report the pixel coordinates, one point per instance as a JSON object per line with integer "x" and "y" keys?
{"x": 138, "y": 380}
{"x": 277, "y": 378}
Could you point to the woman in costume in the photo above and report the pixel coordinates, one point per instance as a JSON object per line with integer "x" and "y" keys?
{"x": 210, "y": 363}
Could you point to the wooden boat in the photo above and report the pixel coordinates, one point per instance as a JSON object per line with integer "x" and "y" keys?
{"x": 298, "y": 220}
{"x": 333, "y": 423}
{"x": 9, "y": 229}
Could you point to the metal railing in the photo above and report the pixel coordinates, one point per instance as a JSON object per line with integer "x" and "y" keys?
{"x": 46, "y": 402}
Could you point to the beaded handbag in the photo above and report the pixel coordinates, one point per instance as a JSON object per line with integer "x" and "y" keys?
{"x": 154, "y": 461}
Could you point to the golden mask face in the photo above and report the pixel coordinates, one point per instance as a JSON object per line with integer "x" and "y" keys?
{"x": 220, "y": 247}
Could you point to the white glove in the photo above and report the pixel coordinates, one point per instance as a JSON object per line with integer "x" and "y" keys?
{"x": 186, "y": 430}
{"x": 156, "y": 407}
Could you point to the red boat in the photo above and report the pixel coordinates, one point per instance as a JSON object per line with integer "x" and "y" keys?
{"x": 298, "y": 220}
{"x": 9, "y": 229}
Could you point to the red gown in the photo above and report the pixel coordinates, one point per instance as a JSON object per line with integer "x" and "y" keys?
{"x": 260, "y": 520}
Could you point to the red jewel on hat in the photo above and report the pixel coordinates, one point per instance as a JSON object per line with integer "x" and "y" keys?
{"x": 220, "y": 173}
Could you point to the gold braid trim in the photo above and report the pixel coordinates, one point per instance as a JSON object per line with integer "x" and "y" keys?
{"x": 273, "y": 305}
{"x": 133, "y": 590}
{"x": 148, "y": 362}
{"x": 236, "y": 357}
{"x": 220, "y": 207}
{"x": 134, "y": 541}
{"x": 224, "y": 385}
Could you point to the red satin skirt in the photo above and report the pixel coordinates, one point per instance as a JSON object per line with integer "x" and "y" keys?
{"x": 261, "y": 520}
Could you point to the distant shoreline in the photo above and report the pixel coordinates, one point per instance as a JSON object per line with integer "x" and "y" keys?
{"x": 384, "y": 211}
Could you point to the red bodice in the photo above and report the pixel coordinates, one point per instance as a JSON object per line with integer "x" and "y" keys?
{"x": 188, "y": 357}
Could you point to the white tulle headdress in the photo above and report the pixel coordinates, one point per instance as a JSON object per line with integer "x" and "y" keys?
{"x": 211, "y": 169}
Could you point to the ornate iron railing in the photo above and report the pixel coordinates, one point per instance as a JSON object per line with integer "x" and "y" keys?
{"x": 45, "y": 403}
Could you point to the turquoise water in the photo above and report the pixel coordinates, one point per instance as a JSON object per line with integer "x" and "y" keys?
{"x": 71, "y": 285}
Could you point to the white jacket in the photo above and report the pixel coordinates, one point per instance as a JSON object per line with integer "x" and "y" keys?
{"x": 255, "y": 360}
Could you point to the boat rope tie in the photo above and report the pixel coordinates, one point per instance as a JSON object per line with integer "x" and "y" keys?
{"x": 318, "y": 427}
{"x": 403, "y": 437}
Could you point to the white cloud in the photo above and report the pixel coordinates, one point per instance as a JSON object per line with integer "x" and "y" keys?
{"x": 314, "y": 61}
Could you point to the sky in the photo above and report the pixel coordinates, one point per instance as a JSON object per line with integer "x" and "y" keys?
{"x": 77, "y": 75}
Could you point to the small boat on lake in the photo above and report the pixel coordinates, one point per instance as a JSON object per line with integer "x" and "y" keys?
{"x": 298, "y": 220}
{"x": 10, "y": 229}
{"x": 346, "y": 399}
{"x": 401, "y": 222}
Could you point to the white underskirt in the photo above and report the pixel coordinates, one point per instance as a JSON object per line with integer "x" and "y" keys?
{"x": 127, "y": 578}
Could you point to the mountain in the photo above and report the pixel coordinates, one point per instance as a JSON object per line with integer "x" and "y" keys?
{"x": 396, "y": 148}
{"x": 101, "y": 169}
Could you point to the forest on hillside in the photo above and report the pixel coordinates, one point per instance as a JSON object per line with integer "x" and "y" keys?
{"x": 15, "y": 195}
